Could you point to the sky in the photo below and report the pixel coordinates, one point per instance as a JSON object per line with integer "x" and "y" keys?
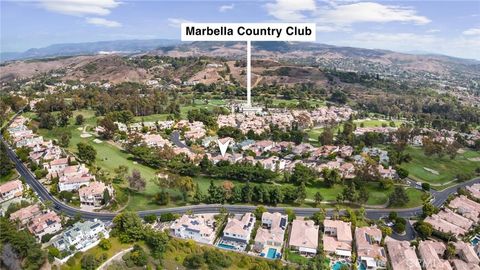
{"x": 441, "y": 27}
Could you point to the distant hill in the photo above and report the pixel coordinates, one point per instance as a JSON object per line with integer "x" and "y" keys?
{"x": 77, "y": 59}
{"x": 88, "y": 48}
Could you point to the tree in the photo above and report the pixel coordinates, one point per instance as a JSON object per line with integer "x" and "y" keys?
{"x": 47, "y": 121}
{"x": 79, "y": 120}
{"x": 401, "y": 172}
{"x": 121, "y": 173}
{"x": 109, "y": 128}
{"x": 193, "y": 261}
{"x": 303, "y": 174}
{"x": 150, "y": 219}
{"x": 89, "y": 262}
{"x": 330, "y": 177}
{"x": 399, "y": 197}
{"x": 64, "y": 117}
{"x": 259, "y": 212}
{"x": 86, "y": 152}
{"x": 426, "y": 186}
{"x": 128, "y": 227}
{"x": 106, "y": 196}
{"x": 291, "y": 214}
{"x": 157, "y": 241}
{"x": 326, "y": 138}
{"x": 65, "y": 138}
{"x": 136, "y": 181}
{"x": 301, "y": 193}
{"x": 449, "y": 252}
{"x": 338, "y": 97}
{"x": 318, "y": 198}
{"x": 105, "y": 244}
{"x": 428, "y": 209}
{"x": 5, "y": 162}
{"x": 424, "y": 229}
{"x": 162, "y": 197}
{"x": 138, "y": 256}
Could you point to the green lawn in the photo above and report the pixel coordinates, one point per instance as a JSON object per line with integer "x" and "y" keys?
{"x": 11, "y": 176}
{"x": 447, "y": 168}
{"x": 377, "y": 122}
{"x": 96, "y": 251}
{"x": 294, "y": 101}
{"x": 415, "y": 197}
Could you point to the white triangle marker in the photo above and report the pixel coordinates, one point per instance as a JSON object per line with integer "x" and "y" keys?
{"x": 223, "y": 147}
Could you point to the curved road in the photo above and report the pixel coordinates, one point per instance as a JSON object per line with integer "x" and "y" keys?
{"x": 44, "y": 195}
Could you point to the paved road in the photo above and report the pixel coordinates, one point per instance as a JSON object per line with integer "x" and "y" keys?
{"x": 175, "y": 138}
{"x": 44, "y": 195}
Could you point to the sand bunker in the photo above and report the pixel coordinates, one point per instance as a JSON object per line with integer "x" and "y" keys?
{"x": 97, "y": 141}
{"x": 85, "y": 135}
{"x": 475, "y": 159}
{"x": 431, "y": 171}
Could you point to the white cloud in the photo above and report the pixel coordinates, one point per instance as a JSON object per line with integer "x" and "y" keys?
{"x": 176, "y": 22}
{"x": 335, "y": 15}
{"x": 343, "y": 16}
{"x": 431, "y": 31}
{"x": 80, "y": 7}
{"x": 287, "y": 11}
{"x": 226, "y": 7}
{"x": 472, "y": 32}
{"x": 103, "y": 22}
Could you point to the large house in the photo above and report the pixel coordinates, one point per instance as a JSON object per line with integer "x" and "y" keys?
{"x": 237, "y": 231}
{"x": 10, "y": 190}
{"x": 200, "y": 228}
{"x": 337, "y": 238}
{"x": 46, "y": 223}
{"x": 82, "y": 236}
{"x": 304, "y": 237}
{"x": 402, "y": 255}
{"x": 272, "y": 231}
{"x": 369, "y": 251}
{"x": 92, "y": 195}
{"x": 24, "y": 215}
{"x": 431, "y": 253}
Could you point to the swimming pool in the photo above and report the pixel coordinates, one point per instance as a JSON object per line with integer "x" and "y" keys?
{"x": 225, "y": 246}
{"x": 338, "y": 265}
{"x": 362, "y": 266}
{"x": 272, "y": 253}
{"x": 475, "y": 240}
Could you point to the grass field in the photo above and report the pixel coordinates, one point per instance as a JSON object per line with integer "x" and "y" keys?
{"x": 110, "y": 157}
{"x": 11, "y": 176}
{"x": 96, "y": 251}
{"x": 376, "y": 122}
{"x": 447, "y": 168}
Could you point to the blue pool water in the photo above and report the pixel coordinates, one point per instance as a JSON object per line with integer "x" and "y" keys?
{"x": 362, "y": 267}
{"x": 271, "y": 254}
{"x": 475, "y": 240}
{"x": 337, "y": 266}
{"x": 224, "y": 246}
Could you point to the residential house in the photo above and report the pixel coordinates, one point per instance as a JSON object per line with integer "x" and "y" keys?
{"x": 24, "y": 215}
{"x": 466, "y": 208}
{"x": 337, "y": 238}
{"x": 46, "y": 223}
{"x": 10, "y": 190}
{"x": 271, "y": 233}
{"x": 304, "y": 237}
{"x": 92, "y": 195}
{"x": 431, "y": 252}
{"x": 402, "y": 256}
{"x": 238, "y": 230}
{"x": 466, "y": 252}
{"x": 369, "y": 251}
{"x": 200, "y": 228}
{"x": 81, "y": 236}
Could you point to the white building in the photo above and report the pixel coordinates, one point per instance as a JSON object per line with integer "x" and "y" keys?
{"x": 10, "y": 190}
{"x": 82, "y": 235}
{"x": 200, "y": 228}
{"x": 239, "y": 229}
